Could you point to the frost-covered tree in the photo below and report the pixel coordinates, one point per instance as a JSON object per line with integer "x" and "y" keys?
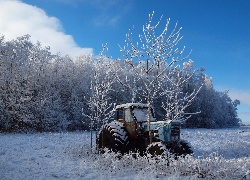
{"x": 15, "y": 85}
{"x": 217, "y": 109}
{"x": 155, "y": 60}
{"x": 178, "y": 94}
{"x": 98, "y": 100}
{"x": 25, "y": 85}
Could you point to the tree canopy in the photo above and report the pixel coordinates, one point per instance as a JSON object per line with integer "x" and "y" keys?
{"x": 41, "y": 91}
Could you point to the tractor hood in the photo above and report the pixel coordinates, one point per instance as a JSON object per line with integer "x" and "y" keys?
{"x": 167, "y": 130}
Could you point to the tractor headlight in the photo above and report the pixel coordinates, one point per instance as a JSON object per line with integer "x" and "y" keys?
{"x": 155, "y": 134}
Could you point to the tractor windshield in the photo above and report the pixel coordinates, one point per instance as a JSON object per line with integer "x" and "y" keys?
{"x": 141, "y": 114}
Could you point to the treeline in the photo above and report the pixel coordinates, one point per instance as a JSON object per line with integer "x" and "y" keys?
{"x": 45, "y": 92}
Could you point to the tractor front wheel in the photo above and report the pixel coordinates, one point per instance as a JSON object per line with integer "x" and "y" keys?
{"x": 185, "y": 147}
{"x": 157, "y": 149}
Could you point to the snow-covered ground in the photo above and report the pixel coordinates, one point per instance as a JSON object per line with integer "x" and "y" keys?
{"x": 219, "y": 154}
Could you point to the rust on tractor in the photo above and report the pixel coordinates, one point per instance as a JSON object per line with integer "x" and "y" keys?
{"x": 124, "y": 115}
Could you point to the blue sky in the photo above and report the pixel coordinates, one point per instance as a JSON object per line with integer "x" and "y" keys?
{"x": 217, "y": 32}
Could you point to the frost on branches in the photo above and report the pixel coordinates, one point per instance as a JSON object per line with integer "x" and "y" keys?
{"x": 99, "y": 96}
{"x": 156, "y": 61}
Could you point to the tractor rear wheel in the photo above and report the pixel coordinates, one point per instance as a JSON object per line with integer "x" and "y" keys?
{"x": 114, "y": 137}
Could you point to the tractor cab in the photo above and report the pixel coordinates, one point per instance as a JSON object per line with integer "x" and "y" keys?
{"x": 133, "y": 112}
{"x": 134, "y": 116}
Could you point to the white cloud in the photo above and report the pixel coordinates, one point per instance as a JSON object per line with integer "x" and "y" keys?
{"x": 109, "y": 12}
{"x": 18, "y": 19}
{"x": 242, "y": 95}
{"x": 106, "y": 20}
{"x": 244, "y": 108}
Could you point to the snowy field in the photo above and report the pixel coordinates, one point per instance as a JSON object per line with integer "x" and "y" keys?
{"x": 219, "y": 154}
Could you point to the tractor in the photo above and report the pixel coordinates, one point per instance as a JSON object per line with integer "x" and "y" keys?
{"x": 129, "y": 132}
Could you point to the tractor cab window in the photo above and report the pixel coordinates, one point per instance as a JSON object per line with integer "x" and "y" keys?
{"x": 141, "y": 114}
{"x": 128, "y": 115}
{"x": 119, "y": 114}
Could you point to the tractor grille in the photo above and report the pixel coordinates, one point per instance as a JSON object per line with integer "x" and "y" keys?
{"x": 175, "y": 132}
